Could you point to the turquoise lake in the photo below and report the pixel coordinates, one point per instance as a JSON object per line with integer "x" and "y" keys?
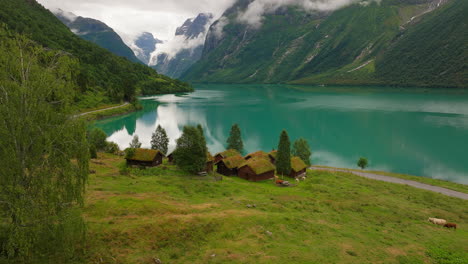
{"x": 421, "y": 132}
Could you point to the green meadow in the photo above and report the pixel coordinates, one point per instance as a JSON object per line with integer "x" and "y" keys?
{"x": 436, "y": 182}
{"x": 139, "y": 216}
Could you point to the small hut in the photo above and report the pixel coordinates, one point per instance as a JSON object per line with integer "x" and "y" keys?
{"x": 256, "y": 169}
{"x": 145, "y": 157}
{"x": 209, "y": 162}
{"x": 272, "y": 156}
{"x": 228, "y": 166}
{"x": 298, "y": 167}
{"x": 226, "y": 154}
{"x": 257, "y": 155}
{"x": 170, "y": 157}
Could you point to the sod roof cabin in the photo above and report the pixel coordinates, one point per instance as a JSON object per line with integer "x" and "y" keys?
{"x": 229, "y": 166}
{"x": 209, "y": 162}
{"x": 298, "y": 167}
{"x": 257, "y": 155}
{"x": 272, "y": 156}
{"x": 226, "y": 154}
{"x": 170, "y": 157}
{"x": 256, "y": 169}
{"x": 145, "y": 157}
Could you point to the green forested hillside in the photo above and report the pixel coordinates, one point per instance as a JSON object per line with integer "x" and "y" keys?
{"x": 349, "y": 46}
{"x": 101, "y": 76}
{"x": 98, "y": 32}
{"x": 432, "y": 52}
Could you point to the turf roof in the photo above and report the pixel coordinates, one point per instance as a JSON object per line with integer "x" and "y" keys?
{"x": 209, "y": 157}
{"x": 144, "y": 155}
{"x": 273, "y": 154}
{"x": 258, "y": 154}
{"x": 258, "y": 165}
{"x": 297, "y": 164}
{"x": 233, "y": 162}
{"x": 228, "y": 153}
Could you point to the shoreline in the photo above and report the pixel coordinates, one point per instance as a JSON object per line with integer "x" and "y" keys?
{"x": 109, "y": 112}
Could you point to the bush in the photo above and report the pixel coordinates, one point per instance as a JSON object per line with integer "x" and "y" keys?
{"x": 112, "y": 148}
{"x": 129, "y": 152}
{"x": 92, "y": 152}
{"x": 97, "y": 137}
{"x": 124, "y": 169}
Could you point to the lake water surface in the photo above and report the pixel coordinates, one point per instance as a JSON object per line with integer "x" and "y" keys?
{"x": 413, "y": 131}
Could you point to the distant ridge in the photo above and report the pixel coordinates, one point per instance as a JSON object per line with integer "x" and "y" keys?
{"x": 97, "y": 32}
{"x": 388, "y": 42}
{"x": 190, "y": 37}
{"x": 101, "y": 77}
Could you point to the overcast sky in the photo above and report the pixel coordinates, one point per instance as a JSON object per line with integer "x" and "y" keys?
{"x": 131, "y": 17}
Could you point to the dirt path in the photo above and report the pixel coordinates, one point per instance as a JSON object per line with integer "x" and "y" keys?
{"x": 401, "y": 181}
{"x": 100, "y": 110}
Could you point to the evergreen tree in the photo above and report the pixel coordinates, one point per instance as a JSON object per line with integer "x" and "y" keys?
{"x": 190, "y": 154}
{"x": 301, "y": 149}
{"x": 159, "y": 140}
{"x": 135, "y": 143}
{"x": 44, "y": 154}
{"x": 283, "y": 158}
{"x": 203, "y": 142}
{"x": 202, "y": 134}
{"x": 235, "y": 139}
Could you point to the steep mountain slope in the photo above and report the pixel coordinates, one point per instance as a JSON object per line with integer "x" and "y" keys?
{"x": 185, "y": 49}
{"x": 101, "y": 76}
{"x": 345, "y": 46}
{"x": 97, "y": 32}
{"x": 432, "y": 52}
{"x": 145, "y": 44}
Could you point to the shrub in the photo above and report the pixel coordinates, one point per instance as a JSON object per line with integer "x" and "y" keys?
{"x": 97, "y": 137}
{"x": 112, "y": 148}
{"x": 92, "y": 152}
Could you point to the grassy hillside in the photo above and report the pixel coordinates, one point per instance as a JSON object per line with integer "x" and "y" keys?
{"x": 436, "y": 182}
{"x": 349, "y": 46}
{"x": 101, "y": 76}
{"x": 162, "y": 213}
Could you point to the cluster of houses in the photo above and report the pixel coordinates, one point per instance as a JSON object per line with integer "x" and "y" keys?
{"x": 256, "y": 166}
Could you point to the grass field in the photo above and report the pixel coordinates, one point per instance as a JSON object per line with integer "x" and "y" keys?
{"x": 136, "y": 216}
{"x": 446, "y": 184}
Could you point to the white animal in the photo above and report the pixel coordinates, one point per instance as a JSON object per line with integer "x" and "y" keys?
{"x": 437, "y": 221}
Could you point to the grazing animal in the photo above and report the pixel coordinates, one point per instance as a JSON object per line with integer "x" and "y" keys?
{"x": 451, "y": 225}
{"x": 297, "y": 179}
{"x": 437, "y": 221}
{"x": 279, "y": 181}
